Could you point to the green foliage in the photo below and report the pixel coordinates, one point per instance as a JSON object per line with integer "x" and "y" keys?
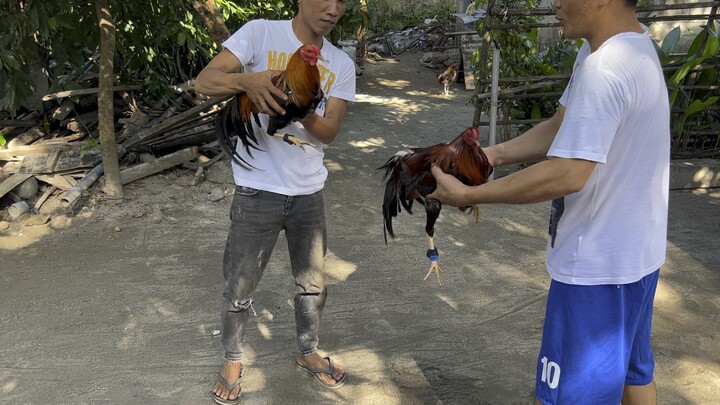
{"x": 690, "y": 105}
{"x": 352, "y": 22}
{"x": 387, "y": 19}
{"x": 158, "y": 42}
{"x": 380, "y": 18}
{"x": 557, "y": 59}
{"x": 520, "y": 57}
{"x": 238, "y": 12}
{"x": 26, "y": 33}
{"x": 92, "y": 145}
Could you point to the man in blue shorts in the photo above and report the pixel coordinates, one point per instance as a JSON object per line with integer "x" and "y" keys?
{"x": 605, "y": 166}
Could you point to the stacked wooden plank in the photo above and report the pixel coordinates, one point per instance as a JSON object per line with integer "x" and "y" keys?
{"x": 58, "y": 148}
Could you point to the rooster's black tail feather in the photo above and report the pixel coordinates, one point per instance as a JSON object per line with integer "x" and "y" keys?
{"x": 230, "y": 127}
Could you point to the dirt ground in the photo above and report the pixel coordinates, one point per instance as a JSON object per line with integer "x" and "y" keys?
{"x": 120, "y": 303}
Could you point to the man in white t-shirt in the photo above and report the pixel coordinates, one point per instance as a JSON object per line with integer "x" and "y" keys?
{"x": 605, "y": 165}
{"x": 284, "y": 190}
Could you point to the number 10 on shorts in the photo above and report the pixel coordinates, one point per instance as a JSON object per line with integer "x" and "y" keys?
{"x": 550, "y": 373}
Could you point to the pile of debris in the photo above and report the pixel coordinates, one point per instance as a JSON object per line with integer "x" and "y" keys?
{"x": 418, "y": 38}
{"x": 54, "y": 155}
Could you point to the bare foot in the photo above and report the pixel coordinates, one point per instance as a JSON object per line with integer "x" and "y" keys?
{"x": 231, "y": 373}
{"x": 316, "y": 361}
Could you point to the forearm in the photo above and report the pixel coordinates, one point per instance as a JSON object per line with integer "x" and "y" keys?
{"x": 214, "y": 82}
{"x": 326, "y": 127}
{"x": 323, "y": 128}
{"x": 531, "y": 146}
{"x": 540, "y": 182}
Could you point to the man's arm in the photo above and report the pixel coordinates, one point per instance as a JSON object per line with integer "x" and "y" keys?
{"x": 222, "y": 77}
{"x": 546, "y": 180}
{"x": 326, "y": 128}
{"x": 532, "y": 146}
{"x": 543, "y": 181}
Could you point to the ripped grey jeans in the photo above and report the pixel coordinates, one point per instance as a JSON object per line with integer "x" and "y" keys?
{"x": 257, "y": 217}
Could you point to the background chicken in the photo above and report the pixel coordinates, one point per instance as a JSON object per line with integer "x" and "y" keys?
{"x": 408, "y": 178}
{"x": 300, "y": 81}
{"x": 447, "y": 78}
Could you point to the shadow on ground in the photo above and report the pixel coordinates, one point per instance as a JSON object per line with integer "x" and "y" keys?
{"x": 92, "y": 314}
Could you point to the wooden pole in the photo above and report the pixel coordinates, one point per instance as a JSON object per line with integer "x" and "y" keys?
{"x": 165, "y": 162}
{"x": 483, "y": 83}
{"x": 106, "y": 117}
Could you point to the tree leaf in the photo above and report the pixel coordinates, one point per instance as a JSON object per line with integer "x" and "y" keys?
{"x": 670, "y": 41}
{"x": 536, "y": 112}
{"x": 711, "y": 46}
{"x": 697, "y": 106}
{"x": 686, "y": 67}
{"x": 9, "y": 60}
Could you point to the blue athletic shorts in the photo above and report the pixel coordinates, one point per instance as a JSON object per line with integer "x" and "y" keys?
{"x": 596, "y": 340}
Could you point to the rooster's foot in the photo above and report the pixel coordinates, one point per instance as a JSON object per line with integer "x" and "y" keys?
{"x": 293, "y": 140}
{"x": 475, "y": 211}
{"x": 434, "y": 268}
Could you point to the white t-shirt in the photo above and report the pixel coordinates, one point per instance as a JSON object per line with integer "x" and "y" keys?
{"x": 617, "y": 114}
{"x": 282, "y": 168}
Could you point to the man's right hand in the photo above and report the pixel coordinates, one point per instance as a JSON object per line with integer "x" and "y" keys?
{"x": 262, "y": 92}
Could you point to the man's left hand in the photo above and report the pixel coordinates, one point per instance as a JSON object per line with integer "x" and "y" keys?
{"x": 449, "y": 191}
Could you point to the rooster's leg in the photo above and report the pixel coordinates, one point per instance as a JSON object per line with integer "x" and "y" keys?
{"x": 432, "y": 254}
{"x": 293, "y": 140}
{"x": 432, "y": 209}
{"x": 475, "y": 213}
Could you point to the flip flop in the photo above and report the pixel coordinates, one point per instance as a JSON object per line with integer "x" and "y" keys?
{"x": 315, "y": 371}
{"x": 228, "y": 387}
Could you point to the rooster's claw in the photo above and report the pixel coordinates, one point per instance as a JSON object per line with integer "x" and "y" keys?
{"x": 293, "y": 140}
{"x": 434, "y": 268}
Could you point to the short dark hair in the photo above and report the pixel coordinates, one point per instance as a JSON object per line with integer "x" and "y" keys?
{"x": 631, "y": 3}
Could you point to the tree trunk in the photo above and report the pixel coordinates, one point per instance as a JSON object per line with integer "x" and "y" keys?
{"x": 213, "y": 21}
{"x": 360, "y": 35}
{"x": 106, "y": 118}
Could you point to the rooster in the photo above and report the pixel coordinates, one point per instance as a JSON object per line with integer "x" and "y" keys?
{"x": 447, "y": 78}
{"x": 408, "y": 178}
{"x": 300, "y": 81}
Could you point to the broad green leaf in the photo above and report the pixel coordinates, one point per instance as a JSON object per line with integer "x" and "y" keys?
{"x": 697, "y": 106}
{"x": 686, "y": 67}
{"x": 711, "y": 46}
{"x": 8, "y": 102}
{"x": 694, "y": 48}
{"x": 670, "y": 41}
{"x": 707, "y": 77}
{"x": 3, "y": 142}
{"x": 9, "y": 59}
{"x": 678, "y": 125}
{"x": 661, "y": 54}
{"x": 673, "y": 95}
{"x": 536, "y": 112}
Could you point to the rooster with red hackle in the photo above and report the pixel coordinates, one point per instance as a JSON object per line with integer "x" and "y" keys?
{"x": 300, "y": 81}
{"x": 408, "y": 178}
